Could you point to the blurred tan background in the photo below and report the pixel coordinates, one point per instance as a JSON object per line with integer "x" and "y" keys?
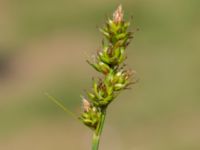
{"x": 43, "y": 47}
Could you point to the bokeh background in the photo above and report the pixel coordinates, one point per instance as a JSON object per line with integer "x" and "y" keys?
{"x": 43, "y": 48}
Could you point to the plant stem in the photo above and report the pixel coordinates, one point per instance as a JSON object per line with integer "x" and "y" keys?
{"x": 98, "y": 131}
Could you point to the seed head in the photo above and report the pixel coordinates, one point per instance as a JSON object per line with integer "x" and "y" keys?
{"x": 118, "y": 15}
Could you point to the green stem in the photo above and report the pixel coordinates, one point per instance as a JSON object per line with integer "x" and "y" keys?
{"x": 98, "y": 131}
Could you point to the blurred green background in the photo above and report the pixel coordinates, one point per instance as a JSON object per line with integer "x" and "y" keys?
{"x": 43, "y": 48}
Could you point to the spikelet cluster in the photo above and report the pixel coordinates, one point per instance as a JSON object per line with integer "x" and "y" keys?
{"x": 109, "y": 61}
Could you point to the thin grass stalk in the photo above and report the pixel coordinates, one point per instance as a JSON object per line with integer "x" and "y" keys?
{"x": 97, "y": 134}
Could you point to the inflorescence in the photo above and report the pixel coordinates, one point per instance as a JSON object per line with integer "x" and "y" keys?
{"x": 109, "y": 61}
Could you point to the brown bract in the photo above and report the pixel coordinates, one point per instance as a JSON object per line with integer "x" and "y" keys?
{"x": 86, "y": 105}
{"x": 118, "y": 15}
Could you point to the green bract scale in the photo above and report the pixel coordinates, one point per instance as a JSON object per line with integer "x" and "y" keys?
{"x": 91, "y": 115}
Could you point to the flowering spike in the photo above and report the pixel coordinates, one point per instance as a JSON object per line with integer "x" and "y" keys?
{"x": 109, "y": 61}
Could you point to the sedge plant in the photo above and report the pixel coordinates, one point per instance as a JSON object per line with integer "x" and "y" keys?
{"x": 109, "y": 61}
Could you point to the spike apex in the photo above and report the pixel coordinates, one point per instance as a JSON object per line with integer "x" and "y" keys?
{"x": 118, "y": 15}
